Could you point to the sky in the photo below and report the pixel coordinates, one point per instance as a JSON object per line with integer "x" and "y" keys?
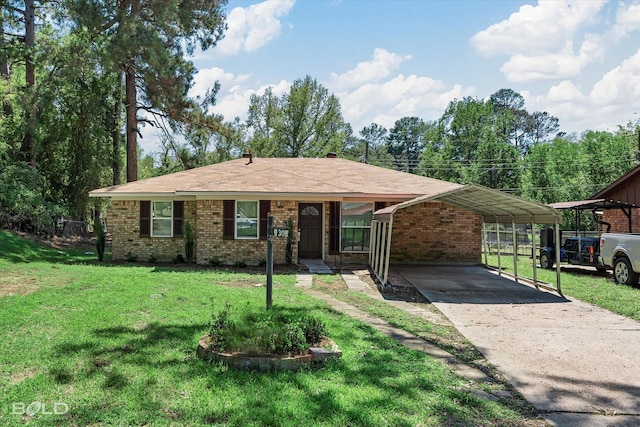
{"x": 384, "y": 60}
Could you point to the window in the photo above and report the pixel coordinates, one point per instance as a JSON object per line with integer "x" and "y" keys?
{"x": 355, "y": 226}
{"x": 247, "y": 220}
{"x": 161, "y": 219}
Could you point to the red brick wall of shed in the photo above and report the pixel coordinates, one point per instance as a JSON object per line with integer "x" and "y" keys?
{"x": 436, "y": 232}
{"x": 123, "y": 222}
{"x": 619, "y": 221}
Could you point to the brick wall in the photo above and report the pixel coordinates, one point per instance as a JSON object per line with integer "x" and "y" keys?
{"x": 211, "y": 245}
{"x": 428, "y": 232}
{"x": 436, "y": 232}
{"x": 619, "y": 221}
{"x": 123, "y": 221}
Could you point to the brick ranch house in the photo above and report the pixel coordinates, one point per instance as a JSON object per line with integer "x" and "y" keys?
{"x": 330, "y": 203}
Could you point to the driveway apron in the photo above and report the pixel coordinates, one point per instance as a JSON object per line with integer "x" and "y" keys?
{"x": 566, "y": 357}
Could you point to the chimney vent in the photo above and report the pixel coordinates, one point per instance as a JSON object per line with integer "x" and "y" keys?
{"x": 331, "y": 155}
{"x": 249, "y": 156}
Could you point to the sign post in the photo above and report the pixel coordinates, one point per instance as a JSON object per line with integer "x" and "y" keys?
{"x": 269, "y": 260}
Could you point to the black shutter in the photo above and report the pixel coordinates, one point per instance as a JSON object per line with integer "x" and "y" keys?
{"x": 379, "y": 205}
{"x": 145, "y": 218}
{"x": 178, "y": 217}
{"x": 228, "y": 219}
{"x": 265, "y": 208}
{"x": 334, "y": 227}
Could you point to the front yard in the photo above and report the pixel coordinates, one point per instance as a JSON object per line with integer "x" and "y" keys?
{"x": 90, "y": 344}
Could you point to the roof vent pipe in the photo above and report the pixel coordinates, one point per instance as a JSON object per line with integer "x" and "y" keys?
{"x": 331, "y": 155}
{"x": 249, "y": 156}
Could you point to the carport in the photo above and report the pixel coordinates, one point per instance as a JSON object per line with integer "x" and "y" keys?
{"x": 493, "y": 206}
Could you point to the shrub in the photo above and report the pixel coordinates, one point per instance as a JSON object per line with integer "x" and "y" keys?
{"x": 240, "y": 264}
{"x": 152, "y": 259}
{"x": 130, "y": 257}
{"x": 313, "y": 328}
{"x": 189, "y": 243}
{"x": 100, "y": 238}
{"x": 179, "y": 259}
{"x": 264, "y": 332}
{"x": 215, "y": 262}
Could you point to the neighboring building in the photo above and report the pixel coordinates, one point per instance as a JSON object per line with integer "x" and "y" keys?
{"x": 330, "y": 201}
{"x": 625, "y": 190}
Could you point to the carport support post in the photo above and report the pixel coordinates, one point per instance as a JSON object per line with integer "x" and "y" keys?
{"x": 515, "y": 247}
{"x": 557, "y": 232}
{"x": 388, "y": 254}
{"x": 485, "y": 245}
{"x": 498, "y": 240}
{"x": 534, "y": 251}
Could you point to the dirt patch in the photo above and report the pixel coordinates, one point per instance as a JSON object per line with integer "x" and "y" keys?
{"x": 60, "y": 242}
{"x": 18, "y": 377}
{"x": 18, "y": 285}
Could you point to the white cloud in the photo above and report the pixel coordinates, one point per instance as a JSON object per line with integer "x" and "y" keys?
{"x": 538, "y": 40}
{"x": 206, "y": 78}
{"x": 612, "y": 101}
{"x": 250, "y": 28}
{"x": 620, "y": 86}
{"x": 398, "y": 97}
{"x": 381, "y": 66}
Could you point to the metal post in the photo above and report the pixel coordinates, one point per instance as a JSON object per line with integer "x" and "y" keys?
{"x": 534, "y": 251}
{"x": 485, "y": 244}
{"x": 557, "y": 232}
{"x": 498, "y": 240}
{"x": 269, "y": 260}
{"x": 514, "y": 240}
{"x": 388, "y": 254}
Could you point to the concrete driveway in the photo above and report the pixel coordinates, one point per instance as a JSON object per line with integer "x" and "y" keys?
{"x": 578, "y": 362}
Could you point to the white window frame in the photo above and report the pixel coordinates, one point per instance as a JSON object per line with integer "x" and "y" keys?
{"x": 257, "y": 219}
{"x": 153, "y": 219}
{"x": 342, "y": 227}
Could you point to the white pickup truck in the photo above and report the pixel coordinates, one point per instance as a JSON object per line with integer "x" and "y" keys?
{"x": 622, "y": 253}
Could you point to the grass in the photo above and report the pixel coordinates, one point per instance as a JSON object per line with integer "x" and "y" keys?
{"x": 116, "y": 344}
{"x": 582, "y": 283}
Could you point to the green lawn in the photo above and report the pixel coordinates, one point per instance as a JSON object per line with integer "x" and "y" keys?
{"x": 115, "y": 344}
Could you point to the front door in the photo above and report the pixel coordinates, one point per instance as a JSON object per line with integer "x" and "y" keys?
{"x": 310, "y": 222}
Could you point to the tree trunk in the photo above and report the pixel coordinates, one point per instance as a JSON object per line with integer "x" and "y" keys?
{"x": 28, "y": 148}
{"x": 132, "y": 121}
{"x": 115, "y": 130}
{"x": 5, "y": 72}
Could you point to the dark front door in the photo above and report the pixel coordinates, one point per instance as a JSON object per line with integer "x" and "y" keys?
{"x": 310, "y": 222}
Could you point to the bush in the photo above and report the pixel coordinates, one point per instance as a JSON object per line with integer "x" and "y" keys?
{"x": 240, "y": 264}
{"x": 215, "y": 262}
{"x": 179, "y": 259}
{"x": 273, "y": 331}
{"x": 23, "y": 200}
{"x": 100, "y": 238}
{"x": 130, "y": 257}
{"x": 189, "y": 242}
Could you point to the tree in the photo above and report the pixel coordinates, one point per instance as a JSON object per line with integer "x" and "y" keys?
{"x": 147, "y": 41}
{"x": 305, "y": 122}
{"x": 406, "y": 141}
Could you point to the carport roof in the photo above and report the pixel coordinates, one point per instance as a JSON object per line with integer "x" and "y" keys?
{"x": 494, "y": 205}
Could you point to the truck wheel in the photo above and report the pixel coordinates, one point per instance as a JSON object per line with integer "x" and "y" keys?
{"x": 545, "y": 260}
{"x": 623, "y": 273}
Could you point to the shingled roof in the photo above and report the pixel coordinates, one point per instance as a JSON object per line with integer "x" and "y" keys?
{"x": 294, "y": 177}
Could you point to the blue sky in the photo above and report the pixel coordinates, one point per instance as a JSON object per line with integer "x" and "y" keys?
{"x": 384, "y": 60}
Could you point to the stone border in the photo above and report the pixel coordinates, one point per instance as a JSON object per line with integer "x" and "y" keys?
{"x": 315, "y": 355}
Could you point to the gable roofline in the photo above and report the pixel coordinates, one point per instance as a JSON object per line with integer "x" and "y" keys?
{"x": 624, "y": 178}
{"x": 285, "y": 177}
